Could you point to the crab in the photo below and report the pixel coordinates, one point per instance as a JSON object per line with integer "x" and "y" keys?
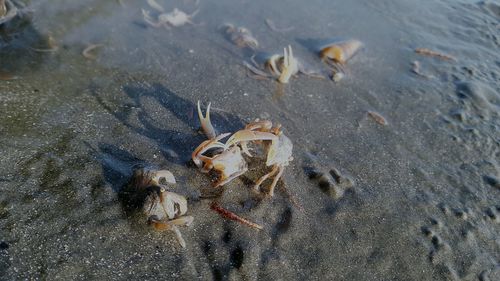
{"x": 226, "y": 161}
{"x": 165, "y": 210}
{"x": 280, "y": 67}
{"x": 228, "y": 164}
{"x": 173, "y": 19}
{"x": 226, "y": 158}
{"x": 278, "y": 149}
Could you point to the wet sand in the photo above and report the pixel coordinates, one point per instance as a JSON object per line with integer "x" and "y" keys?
{"x": 416, "y": 199}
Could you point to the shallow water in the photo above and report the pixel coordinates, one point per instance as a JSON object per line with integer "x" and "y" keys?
{"x": 417, "y": 199}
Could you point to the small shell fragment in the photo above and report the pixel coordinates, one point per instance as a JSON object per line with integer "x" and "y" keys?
{"x": 377, "y": 117}
{"x": 8, "y": 11}
{"x": 273, "y": 27}
{"x": 337, "y": 76}
{"x": 87, "y": 52}
{"x": 240, "y": 36}
{"x": 3, "y": 8}
{"x": 341, "y": 51}
{"x": 415, "y": 68}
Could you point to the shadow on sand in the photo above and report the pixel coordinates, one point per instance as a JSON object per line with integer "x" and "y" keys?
{"x": 176, "y": 146}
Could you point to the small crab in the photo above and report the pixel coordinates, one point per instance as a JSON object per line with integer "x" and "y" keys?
{"x": 240, "y": 36}
{"x": 281, "y": 67}
{"x": 227, "y": 163}
{"x": 165, "y": 210}
{"x": 173, "y": 19}
{"x": 278, "y": 149}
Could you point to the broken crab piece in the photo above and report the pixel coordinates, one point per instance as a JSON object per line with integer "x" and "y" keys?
{"x": 175, "y": 18}
{"x": 153, "y": 4}
{"x": 290, "y": 65}
{"x": 166, "y": 210}
{"x": 8, "y": 11}
{"x": 205, "y": 122}
{"x": 240, "y": 36}
{"x": 281, "y": 67}
{"x": 143, "y": 178}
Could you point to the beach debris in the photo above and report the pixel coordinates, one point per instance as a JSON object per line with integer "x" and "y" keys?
{"x": 280, "y": 67}
{"x": 8, "y": 11}
{"x": 165, "y": 210}
{"x": 87, "y": 52}
{"x": 337, "y": 75}
{"x": 175, "y": 18}
{"x": 273, "y": 27}
{"x": 431, "y": 53}
{"x": 277, "y": 147}
{"x": 340, "y": 51}
{"x": 6, "y": 76}
{"x": 240, "y": 36}
{"x": 415, "y": 68}
{"x": 144, "y": 178}
{"x": 377, "y": 117}
{"x": 3, "y": 8}
{"x": 232, "y": 216}
{"x": 227, "y": 161}
{"x": 51, "y": 43}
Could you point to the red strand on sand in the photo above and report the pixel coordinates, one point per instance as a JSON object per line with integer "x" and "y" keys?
{"x": 232, "y": 216}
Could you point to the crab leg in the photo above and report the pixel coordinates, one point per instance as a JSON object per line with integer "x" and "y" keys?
{"x": 167, "y": 225}
{"x": 255, "y": 70}
{"x": 179, "y": 236}
{"x": 249, "y": 135}
{"x": 265, "y": 177}
{"x": 272, "y": 65}
{"x": 153, "y": 4}
{"x": 275, "y": 180}
{"x": 206, "y": 124}
{"x": 149, "y": 19}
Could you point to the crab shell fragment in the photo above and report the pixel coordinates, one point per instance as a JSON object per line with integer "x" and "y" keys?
{"x": 341, "y": 51}
{"x": 165, "y": 210}
{"x": 241, "y": 36}
{"x": 281, "y": 67}
{"x": 8, "y": 10}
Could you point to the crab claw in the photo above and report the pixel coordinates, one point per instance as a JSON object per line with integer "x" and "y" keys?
{"x": 272, "y": 64}
{"x": 206, "y": 124}
{"x": 249, "y": 135}
{"x": 163, "y": 174}
{"x": 173, "y": 204}
{"x": 205, "y": 146}
{"x": 290, "y": 65}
